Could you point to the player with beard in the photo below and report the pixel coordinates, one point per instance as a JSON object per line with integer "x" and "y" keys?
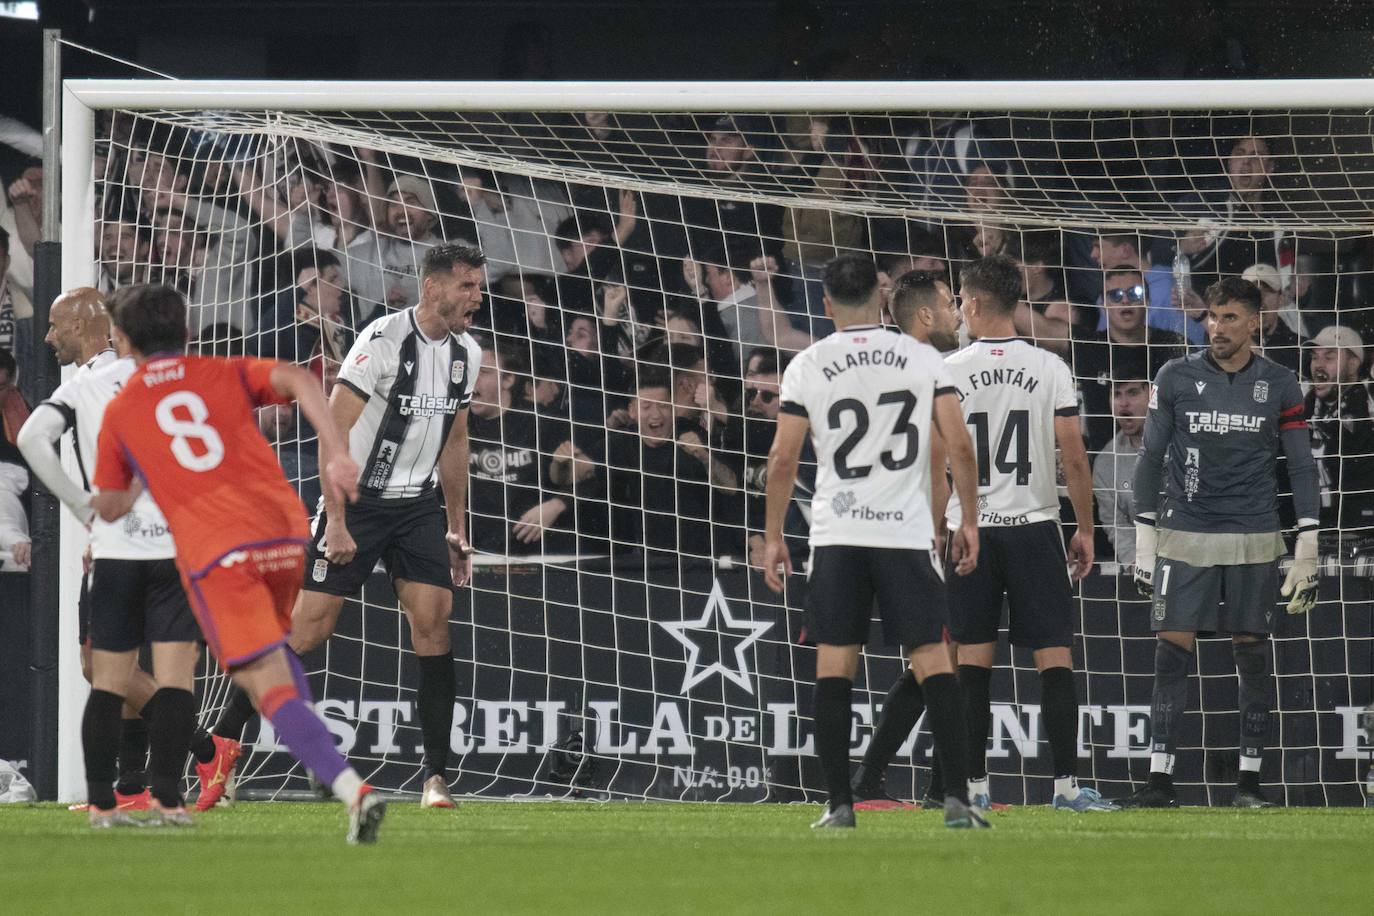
{"x": 1207, "y": 527}
{"x": 402, "y": 401}
{"x": 872, "y": 400}
{"x": 923, "y": 306}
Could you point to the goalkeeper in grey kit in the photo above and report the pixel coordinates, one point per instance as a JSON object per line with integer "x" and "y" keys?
{"x": 1208, "y": 539}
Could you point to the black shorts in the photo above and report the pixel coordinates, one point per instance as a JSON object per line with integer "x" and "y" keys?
{"x": 845, "y": 581}
{"x": 407, "y": 535}
{"x": 1025, "y": 564}
{"x": 83, "y": 610}
{"x": 137, "y": 601}
{"x": 1214, "y": 599}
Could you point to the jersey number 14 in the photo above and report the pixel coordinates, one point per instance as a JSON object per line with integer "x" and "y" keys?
{"x": 1013, "y": 447}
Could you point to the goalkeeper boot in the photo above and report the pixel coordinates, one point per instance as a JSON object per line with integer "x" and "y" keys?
{"x": 959, "y": 816}
{"x": 365, "y": 816}
{"x": 1087, "y": 800}
{"x": 436, "y": 794}
{"x": 1156, "y": 793}
{"x": 214, "y": 776}
{"x": 932, "y": 803}
{"x": 835, "y": 817}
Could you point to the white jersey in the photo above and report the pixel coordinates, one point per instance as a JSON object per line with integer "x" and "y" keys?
{"x": 413, "y": 387}
{"x": 868, "y": 394}
{"x": 142, "y": 534}
{"x": 1010, "y": 391}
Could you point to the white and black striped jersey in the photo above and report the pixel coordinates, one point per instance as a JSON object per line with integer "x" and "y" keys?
{"x": 868, "y": 394}
{"x": 1010, "y": 391}
{"x": 413, "y": 387}
{"x": 142, "y": 534}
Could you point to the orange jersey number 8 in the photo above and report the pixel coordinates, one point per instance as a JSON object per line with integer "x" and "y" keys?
{"x": 211, "y": 447}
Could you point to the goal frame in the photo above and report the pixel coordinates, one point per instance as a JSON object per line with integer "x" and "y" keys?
{"x": 82, "y": 98}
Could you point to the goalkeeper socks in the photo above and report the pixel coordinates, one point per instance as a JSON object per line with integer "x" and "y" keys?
{"x": 133, "y": 755}
{"x": 1168, "y": 703}
{"x": 169, "y": 737}
{"x": 100, "y": 724}
{"x": 903, "y": 706}
{"x": 833, "y": 722}
{"x": 977, "y": 685}
{"x": 235, "y": 716}
{"x": 944, "y": 708}
{"x": 302, "y": 732}
{"x": 435, "y": 702}
{"x": 1254, "y": 666}
{"x": 1059, "y": 709}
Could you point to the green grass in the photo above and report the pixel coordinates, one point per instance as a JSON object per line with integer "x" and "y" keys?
{"x": 555, "y": 858}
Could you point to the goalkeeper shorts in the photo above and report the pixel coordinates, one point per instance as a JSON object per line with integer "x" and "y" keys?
{"x": 1206, "y": 600}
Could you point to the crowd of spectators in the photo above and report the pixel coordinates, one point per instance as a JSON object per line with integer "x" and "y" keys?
{"x": 633, "y": 342}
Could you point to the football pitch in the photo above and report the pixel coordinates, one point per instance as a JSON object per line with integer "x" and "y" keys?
{"x": 499, "y": 857}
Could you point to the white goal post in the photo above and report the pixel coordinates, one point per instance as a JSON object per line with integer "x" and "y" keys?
{"x": 1326, "y": 190}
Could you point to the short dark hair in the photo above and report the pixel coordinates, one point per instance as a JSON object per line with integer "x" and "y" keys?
{"x": 913, "y": 290}
{"x": 770, "y": 360}
{"x": 1041, "y": 247}
{"x": 850, "y": 280}
{"x": 1120, "y": 238}
{"x": 1130, "y": 368}
{"x": 1124, "y": 270}
{"x": 152, "y": 316}
{"x": 997, "y": 278}
{"x": 445, "y": 257}
{"x": 650, "y": 376}
{"x": 1233, "y": 289}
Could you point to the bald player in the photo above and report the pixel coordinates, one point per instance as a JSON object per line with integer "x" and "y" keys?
{"x": 134, "y": 595}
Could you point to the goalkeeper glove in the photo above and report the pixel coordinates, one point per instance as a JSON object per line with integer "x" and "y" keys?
{"x": 1302, "y": 575}
{"x": 1145, "y": 556}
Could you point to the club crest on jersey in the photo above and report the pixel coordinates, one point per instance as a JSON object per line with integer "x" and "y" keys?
{"x": 1261, "y": 392}
{"x": 460, "y": 369}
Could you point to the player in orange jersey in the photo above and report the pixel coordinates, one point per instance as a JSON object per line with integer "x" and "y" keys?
{"x": 184, "y": 428}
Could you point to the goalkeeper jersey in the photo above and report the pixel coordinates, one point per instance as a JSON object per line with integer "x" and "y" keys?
{"x": 1209, "y": 462}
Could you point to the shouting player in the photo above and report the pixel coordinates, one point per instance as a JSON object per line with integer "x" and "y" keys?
{"x": 1020, "y": 402}
{"x": 402, "y": 400}
{"x": 868, "y": 397}
{"x": 185, "y": 426}
{"x": 1207, "y": 539}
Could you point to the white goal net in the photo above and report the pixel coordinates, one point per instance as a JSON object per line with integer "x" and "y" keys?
{"x": 652, "y": 268}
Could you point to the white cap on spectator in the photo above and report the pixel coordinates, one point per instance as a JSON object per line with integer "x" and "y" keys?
{"x": 1339, "y": 337}
{"x": 1267, "y": 274}
{"x": 416, "y": 187}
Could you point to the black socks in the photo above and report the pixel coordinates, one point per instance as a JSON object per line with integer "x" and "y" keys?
{"x": 100, "y": 727}
{"x": 171, "y": 716}
{"x": 133, "y": 756}
{"x": 944, "y": 710}
{"x": 1059, "y": 710}
{"x": 834, "y": 719}
{"x": 977, "y": 686}
{"x": 235, "y": 716}
{"x": 438, "y": 685}
{"x": 901, "y": 709}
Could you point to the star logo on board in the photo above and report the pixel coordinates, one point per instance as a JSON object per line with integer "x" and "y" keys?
{"x": 717, "y": 622}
